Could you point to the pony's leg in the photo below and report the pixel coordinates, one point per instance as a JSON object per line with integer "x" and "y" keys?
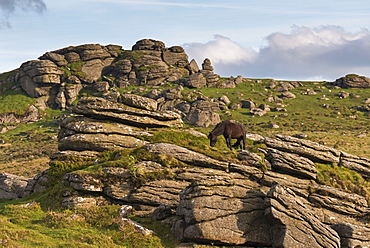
{"x": 243, "y": 143}
{"x": 228, "y": 142}
{"x": 237, "y": 143}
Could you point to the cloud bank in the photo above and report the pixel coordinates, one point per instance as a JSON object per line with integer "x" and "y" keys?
{"x": 9, "y": 7}
{"x": 323, "y": 53}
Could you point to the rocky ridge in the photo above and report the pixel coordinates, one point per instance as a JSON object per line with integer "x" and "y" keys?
{"x": 206, "y": 200}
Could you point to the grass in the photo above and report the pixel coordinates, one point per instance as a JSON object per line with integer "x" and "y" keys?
{"x": 337, "y": 125}
{"x": 30, "y": 226}
{"x": 15, "y": 101}
{"x": 343, "y": 178}
{"x": 4, "y": 75}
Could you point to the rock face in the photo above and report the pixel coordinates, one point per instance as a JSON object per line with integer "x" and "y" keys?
{"x": 148, "y": 63}
{"x": 12, "y": 186}
{"x": 31, "y": 115}
{"x": 113, "y": 125}
{"x": 353, "y": 81}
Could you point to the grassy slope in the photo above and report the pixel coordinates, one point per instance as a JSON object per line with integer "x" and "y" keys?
{"x": 333, "y": 126}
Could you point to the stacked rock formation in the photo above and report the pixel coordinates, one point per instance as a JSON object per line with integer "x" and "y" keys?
{"x": 106, "y": 125}
{"x": 57, "y": 78}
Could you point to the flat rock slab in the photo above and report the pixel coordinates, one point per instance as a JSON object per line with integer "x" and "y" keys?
{"x": 304, "y": 148}
{"x": 100, "y": 108}
{"x": 185, "y": 155}
{"x": 98, "y": 142}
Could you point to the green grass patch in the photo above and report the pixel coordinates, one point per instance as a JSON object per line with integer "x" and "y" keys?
{"x": 15, "y": 101}
{"x": 343, "y": 178}
{"x": 4, "y": 75}
{"x": 30, "y": 226}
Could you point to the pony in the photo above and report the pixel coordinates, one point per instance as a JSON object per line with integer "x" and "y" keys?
{"x": 230, "y": 131}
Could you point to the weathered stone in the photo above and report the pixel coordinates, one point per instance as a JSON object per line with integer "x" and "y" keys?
{"x": 304, "y": 148}
{"x": 72, "y": 57}
{"x": 185, "y": 155}
{"x": 67, "y": 153}
{"x": 339, "y": 201}
{"x": 98, "y": 142}
{"x": 100, "y": 108}
{"x": 58, "y": 59}
{"x": 213, "y": 80}
{"x": 40, "y": 67}
{"x": 294, "y": 224}
{"x": 119, "y": 189}
{"x": 224, "y": 211}
{"x": 71, "y": 92}
{"x": 299, "y": 186}
{"x": 156, "y": 193}
{"x": 93, "y": 69}
{"x": 248, "y": 104}
{"x": 191, "y": 174}
{"x": 84, "y": 182}
{"x": 283, "y": 87}
{"x": 292, "y": 164}
{"x": 162, "y": 212}
{"x": 258, "y": 111}
{"x": 224, "y": 84}
{"x": 148, "y": 44}
{"x": 175, "y": 74}
{"x": 193, "y": 66}
{"x": 37, "y": 184}
{"x": 202, "y": 118}
{"x": 83, "y": 202}
{"x": 31, "y": 115}
{"x": 12, "y": 186}
{"x": 125, "y": 211}
{"x": 195, "y": 80}
{"x": 124, "y": 222}
{"x": 207, "y": 65}
{"x": 84, "y": 125}
{"x": 97, "y": 52}
{"x": 101, "y": 86}
{"x": 353, "y": 81}
{"x": 352, "y": 235}
{"x": 356, "y": 163}
{"x": 139, "y": 102}
{"x": 175, "y": 56}
{"x": 225, "y": 99}
{"x": 287, "y": 95}
{"x": 253, "y": 159}
{"x": 173, "y": 93}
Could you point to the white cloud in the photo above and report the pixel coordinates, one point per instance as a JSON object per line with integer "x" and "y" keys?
{"x": 221, "y": 50}
{"x": 326, "y": 52}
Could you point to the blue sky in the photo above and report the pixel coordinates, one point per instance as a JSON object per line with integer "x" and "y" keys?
{"x": 289, "y": 39}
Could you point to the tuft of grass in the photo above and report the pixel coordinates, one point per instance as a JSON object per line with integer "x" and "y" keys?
{"x": 15, "y": 101}
{"x": 343, "y": 178}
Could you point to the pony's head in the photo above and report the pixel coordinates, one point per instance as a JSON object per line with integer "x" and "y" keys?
{"x": 213, "y": 139}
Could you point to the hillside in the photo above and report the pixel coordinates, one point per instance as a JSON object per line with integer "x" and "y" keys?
{"x": 129, "y": 127}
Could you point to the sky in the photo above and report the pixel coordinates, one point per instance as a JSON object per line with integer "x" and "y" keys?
{"x": 286, "y": 39}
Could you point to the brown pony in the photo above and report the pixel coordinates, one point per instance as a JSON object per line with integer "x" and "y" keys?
{"x": 230, "y": 131}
